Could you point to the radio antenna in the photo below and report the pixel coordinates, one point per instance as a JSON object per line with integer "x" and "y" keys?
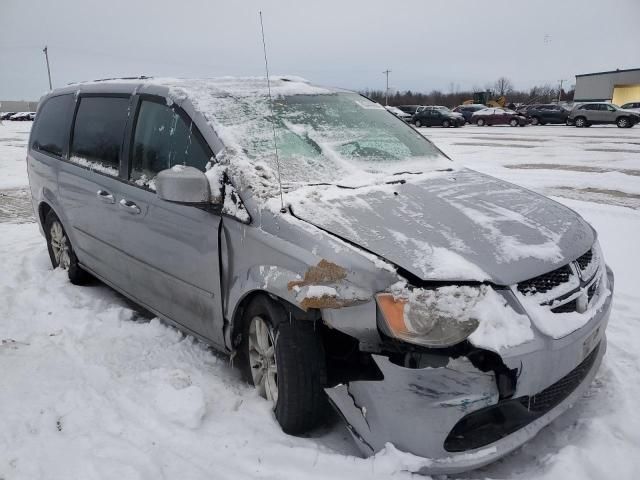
{"x": 273, "y": 123}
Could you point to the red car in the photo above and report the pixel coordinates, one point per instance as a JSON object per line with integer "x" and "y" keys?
{"x": 498, "y": 116}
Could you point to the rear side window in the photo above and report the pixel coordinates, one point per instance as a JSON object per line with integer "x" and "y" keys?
{"x": 51, "y": 131}
{"x": 98, "y": 133}
{"x": 163, "y": 138}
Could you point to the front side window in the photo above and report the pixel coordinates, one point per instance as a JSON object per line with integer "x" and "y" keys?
{"x": 51, "y": 130}
{"x": 162, "y": 139}
{"x": 98, "y": 133}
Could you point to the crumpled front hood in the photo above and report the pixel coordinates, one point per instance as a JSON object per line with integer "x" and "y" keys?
{"x": 459, "y": 225}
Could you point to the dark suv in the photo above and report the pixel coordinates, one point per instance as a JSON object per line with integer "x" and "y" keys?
{"x": 550, "y": 113}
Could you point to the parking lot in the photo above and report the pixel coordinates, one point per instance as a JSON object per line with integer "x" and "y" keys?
{"x": 108, "y": 379}
{"x": 599, "y": 164}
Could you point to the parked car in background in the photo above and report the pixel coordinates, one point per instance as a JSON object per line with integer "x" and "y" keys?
{"x": 437, "y": 117}
{"x": 443, "y": 109}
{"x": 467, "y": 110}
{"x": 547, "y": 113}
{"x": 359, "y": 297}
{"x": 23, "y": 116}
{"x": 7, "y": 115}
{"x": 411, "y": 109}
{"x": 633, "y": 106}
{"x": 524, "y": 109}
{"x": 399, "y": 113}
{"x": 498, "y": 116}
{"x": 595, "y": 113}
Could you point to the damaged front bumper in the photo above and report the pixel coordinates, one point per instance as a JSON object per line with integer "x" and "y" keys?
{"x": 453, "y": 415}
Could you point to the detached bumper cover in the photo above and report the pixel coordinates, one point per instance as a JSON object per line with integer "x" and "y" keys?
{"x": 428, "y": 412}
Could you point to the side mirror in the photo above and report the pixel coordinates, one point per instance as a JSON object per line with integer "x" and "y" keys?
{"x": 183, "y": 184}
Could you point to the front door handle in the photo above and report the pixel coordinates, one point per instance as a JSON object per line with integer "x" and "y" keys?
{"x": 105, "y": 196}
{"x": 129, "y": 206}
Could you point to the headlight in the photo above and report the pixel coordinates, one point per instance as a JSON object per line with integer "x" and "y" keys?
{"x": 438, "y": 317}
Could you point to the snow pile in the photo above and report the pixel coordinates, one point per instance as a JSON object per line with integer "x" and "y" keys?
{"x": 499, "y": 325}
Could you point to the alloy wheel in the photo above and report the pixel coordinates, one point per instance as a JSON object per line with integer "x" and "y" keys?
{"x": 60, "y": 245}
{"x": 262, "y": 359}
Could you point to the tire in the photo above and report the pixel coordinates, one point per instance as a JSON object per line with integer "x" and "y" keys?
{"x": 61, "y": 251}
{"x": 480, "y": 122}
{"x": 623, "y": 122}
{"x": 418, "y": 123}
{"x": 580, "y": 122}
{"x": 513, "y": 122}
{"x": 535, "y": 121}
{"x": 298, "y": 357}
{"x": 446, "y": 124}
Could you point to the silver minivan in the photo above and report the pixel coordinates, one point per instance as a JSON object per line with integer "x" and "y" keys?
{"x": 336, "y": 254}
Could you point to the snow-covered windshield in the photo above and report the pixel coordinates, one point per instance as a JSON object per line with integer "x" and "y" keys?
{"x": 330, "y": 137}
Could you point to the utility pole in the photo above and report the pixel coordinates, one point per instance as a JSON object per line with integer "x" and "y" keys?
{"x": 46, "y": 56}
{"x": 560, "y": 90}
{"x": 386, "y": 92}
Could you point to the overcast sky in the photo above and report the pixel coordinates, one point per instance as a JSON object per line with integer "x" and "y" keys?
{"x": 427, "y": 44}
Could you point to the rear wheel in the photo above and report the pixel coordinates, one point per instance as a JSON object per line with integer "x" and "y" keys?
{"x": 580, "y": 122}
{"x": 623, "y": 122}
{"x": 284, "y": 360}
{"x": 480, "y": 122}
{"x": 513, "y": 122}
{"x": 61, "y": 252}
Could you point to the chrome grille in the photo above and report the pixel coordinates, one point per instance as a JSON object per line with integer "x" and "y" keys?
{"x": 544, "y": 283}
{"x": 584, "y": 261}
{"x": 561, "y": 289}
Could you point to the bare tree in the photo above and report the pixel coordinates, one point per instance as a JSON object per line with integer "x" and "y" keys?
{"x": 503, "y": 86}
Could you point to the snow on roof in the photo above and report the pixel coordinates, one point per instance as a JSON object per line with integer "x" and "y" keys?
{"x": 281, "y": 85}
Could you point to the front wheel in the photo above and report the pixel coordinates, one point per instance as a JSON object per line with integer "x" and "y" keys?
{"x": 535, "y": 121}
{"x": 446, "y": 124}
{"x": 61, "y": 251}
{"x": 513, "y": 122}
{"x": 480, "y": 122}
{"x": 284, "y": 360}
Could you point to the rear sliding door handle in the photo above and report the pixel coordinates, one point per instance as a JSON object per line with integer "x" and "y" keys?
{"x": 129, "y": 206}
{"x": 105, "y": 196}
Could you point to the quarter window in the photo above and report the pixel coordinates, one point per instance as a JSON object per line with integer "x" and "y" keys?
{"x": 98, "y": 133}
{"x": 162, "y": 139}
{"x": 51, "y": 131}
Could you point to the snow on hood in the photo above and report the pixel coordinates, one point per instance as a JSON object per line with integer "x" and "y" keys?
{"x": 451, "y": 226}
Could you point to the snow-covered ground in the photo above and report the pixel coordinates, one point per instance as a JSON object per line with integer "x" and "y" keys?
{"x": 91, "y": 388}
